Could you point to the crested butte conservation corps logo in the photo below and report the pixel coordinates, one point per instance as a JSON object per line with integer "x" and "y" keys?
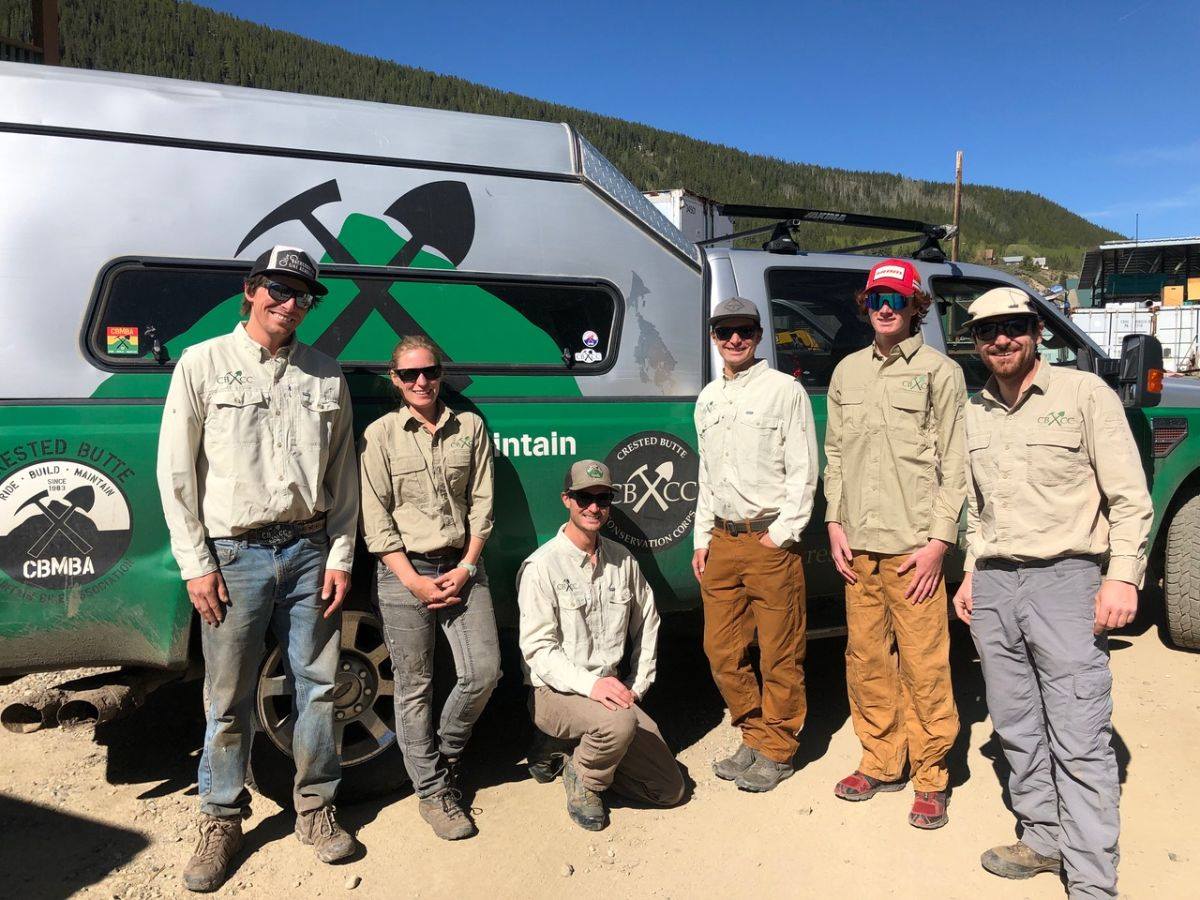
{"x": 655, "y": 488}
{"x": 62, "y": 523}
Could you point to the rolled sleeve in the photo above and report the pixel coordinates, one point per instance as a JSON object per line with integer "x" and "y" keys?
{"x": 540, "y": 636}
{"x": 341, "y": 483}
{"x": 643, "y": 633}
{"x": 800, "y": 471}
{"x": 379, "y": 529}
{"x": 178, "y": 447}
{"x": 950, "y": 399}
{"x": 480, "y": 515}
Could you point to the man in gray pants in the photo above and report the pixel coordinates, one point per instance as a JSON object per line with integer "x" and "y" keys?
{"x": 1057, "y": 524}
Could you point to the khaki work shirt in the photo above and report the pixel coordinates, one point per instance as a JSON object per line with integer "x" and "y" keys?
{"x": 895, "y": 431}
{"x": 758, "y": 453}
{"x": 252, "y": 439}
{"x": 423, "y": 492}
{"x": 575, "y": 618}
{"x": 1058, "y": 474}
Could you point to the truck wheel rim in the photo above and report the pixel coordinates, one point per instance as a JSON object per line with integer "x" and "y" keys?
{"x": 364, "y": 718}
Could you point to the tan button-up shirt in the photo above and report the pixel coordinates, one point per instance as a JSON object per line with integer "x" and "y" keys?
{"x": 896, "y": 471}
{"x": 423, "y": 492}
{"x": 576, "y": 617}
{"x": 758, "y": 453}
{"x": 252, "y": 439}
{"x": 1058, "y": 474}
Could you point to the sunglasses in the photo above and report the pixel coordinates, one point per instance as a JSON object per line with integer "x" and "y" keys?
{"x": 410, "y": 376}
{"x": 877, "y": 300}
{"x": 725, "y": 332}
{"x": 584, "y": 499}
{"x": 281, "y": 293}
{"x": 1011, "y": 328}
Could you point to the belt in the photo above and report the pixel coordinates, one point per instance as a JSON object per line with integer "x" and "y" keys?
{"x": 436, "y": 556}
{"x": 278, "y": 534}
{"x": 744, "y": 526}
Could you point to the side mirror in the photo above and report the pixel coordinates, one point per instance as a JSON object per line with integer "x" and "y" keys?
{"x": 1140, "y": 381}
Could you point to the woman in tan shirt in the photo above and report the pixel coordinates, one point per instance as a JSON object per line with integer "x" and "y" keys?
{"x": 427, "y": 511}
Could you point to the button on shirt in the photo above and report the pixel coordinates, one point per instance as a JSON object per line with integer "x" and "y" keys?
{"x": 1057, "y": 474}
{"x": 758, "y": 453}
{"x": 576, "y": 617}
{"x": 251, "y": 439}
{"x": 895, "y": 471}
{"x": 425, "y": 491}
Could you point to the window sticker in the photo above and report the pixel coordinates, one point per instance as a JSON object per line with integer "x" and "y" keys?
{"x": 588, "y": 355}
{"x": 121, "y": 340}
{"x": 590, "y": 339}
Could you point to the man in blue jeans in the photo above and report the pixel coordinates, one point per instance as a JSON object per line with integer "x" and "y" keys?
{"x": 257, "y": 473}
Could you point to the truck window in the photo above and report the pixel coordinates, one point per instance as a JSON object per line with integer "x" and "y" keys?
{"x": 482, "y": 323}
{"x": 1057, "y": 345}
{"x": 814, "y": 321}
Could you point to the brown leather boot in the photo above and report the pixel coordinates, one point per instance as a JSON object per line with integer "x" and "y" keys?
{"x": 446, "y": 816}
{"x": 320, "y": 830}
{"x": 1019, "y": 860}
{"x": 220, "y": 840}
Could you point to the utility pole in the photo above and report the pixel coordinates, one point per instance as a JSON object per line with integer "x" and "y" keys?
{"x": 957, "y": 204}
{"x": 45, "y": 30}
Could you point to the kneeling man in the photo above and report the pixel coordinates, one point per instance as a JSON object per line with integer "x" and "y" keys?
{"x": 582, "y": 598}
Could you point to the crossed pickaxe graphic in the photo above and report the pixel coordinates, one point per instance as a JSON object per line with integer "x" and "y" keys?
{"x": 82, "y": 497}
{"x": 439, "y": 214}
{"x": 662, "y": 473}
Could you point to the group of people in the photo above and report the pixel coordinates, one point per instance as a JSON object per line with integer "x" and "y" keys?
{"x": 263, "y": 492}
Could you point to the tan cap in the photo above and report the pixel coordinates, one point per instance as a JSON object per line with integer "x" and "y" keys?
{"x": 587, "y": 473}
{"x": 734, "y": 308}
{"x": 999, "y": 303}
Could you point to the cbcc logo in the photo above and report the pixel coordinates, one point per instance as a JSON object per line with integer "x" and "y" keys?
{"x": 655, "y": 487}
{"x": 658, "y": 485}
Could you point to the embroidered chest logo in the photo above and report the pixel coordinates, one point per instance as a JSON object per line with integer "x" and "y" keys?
{"x": 462, "y": 442}
{"x": 1058, "y": 419}
{"x": 231, "y": 378}
{"x": 916, "y": 383}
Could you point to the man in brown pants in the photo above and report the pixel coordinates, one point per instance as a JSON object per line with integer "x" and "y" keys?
{"x": 581, "y": 598}
{"x": 896, "y": 429}
{"x": 758, "y": 474}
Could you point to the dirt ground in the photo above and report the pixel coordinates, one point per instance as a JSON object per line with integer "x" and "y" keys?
{"x": 110, "y": 814}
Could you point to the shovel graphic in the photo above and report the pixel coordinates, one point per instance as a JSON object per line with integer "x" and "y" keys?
{"x": 662, "y": 473}
{"x": 82, "y": 497}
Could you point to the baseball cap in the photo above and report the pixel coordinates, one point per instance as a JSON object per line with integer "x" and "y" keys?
{"x": 587, "y": 473}
{"x": 897, "y": 275}
{"x": 281, "y": 260}
{"x": 735, "y": 308}
{"x": 999, "y": 303}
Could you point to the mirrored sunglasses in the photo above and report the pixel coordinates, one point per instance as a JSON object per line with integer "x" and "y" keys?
{"x": 410, "y": 376}
{"x": 1011, "y": 328}
{"x": 281, "y": 293}
{"x": 877, "y": 300}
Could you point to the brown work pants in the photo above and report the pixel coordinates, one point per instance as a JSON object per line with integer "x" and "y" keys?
{"x": 747, "y": 586}
{"x": 898, "y": 674}
{"x": 618, "y": 748}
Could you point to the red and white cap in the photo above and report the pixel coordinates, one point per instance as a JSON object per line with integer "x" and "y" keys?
{"x": 897, "y": 275}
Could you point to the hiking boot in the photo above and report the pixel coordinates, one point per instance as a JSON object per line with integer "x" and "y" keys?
{"x": 446, "y": 817}
{"x": 546, "y": 756}
{"x": 1019, "y": 860}
{"x": 320, "y": 829}
{"x": 731, "y": 767}
{"x": 220, "y": 840}
{"x": 584, "y": 806}
{"x": 453, "y": 772}
{"x": 763, "y": 775}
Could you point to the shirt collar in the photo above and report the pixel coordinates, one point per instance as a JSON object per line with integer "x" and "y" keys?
{"x": 746, "y": 374}
{"x": 579, "y": 557}
{"x": 907, "y": 348}
{"x": 406, "y": 417}
{"x": 261, "y": 353}
{"x": 1041, "y": 382}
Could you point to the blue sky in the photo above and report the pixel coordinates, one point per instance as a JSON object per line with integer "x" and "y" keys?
{"x": 1092, "y": 104}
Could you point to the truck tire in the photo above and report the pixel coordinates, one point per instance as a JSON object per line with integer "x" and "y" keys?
{"x": 365, "y": 730}
{"x": 1181, "y": 576}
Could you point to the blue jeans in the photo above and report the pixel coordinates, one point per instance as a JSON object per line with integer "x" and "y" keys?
{"x": 410, "y": 629}
{"x": 280, "y": 589}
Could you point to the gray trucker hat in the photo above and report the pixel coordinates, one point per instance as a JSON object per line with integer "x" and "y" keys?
{"x": 735, "y": 308}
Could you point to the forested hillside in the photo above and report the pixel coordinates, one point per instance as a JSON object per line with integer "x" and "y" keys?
{"x": 182, "y": 40}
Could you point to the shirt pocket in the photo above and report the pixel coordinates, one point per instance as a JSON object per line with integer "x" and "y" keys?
{"x": 1055, "y": 456}
{"x": 458, "y": 471}
{"x": 853, "y": 409}
{"x": 907, "y": 414}
{"x": 572, "y": 620}
{"x": 758, "y": 443}
{"x": 616, "y": 617}
{"x": 981, "y": 458}
{"x": 236, "y": 417}
{"x": 315, "y": 416}
{"x": 409, "y": 481}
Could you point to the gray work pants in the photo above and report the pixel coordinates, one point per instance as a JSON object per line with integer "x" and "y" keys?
{"x": 1049, "y": 693}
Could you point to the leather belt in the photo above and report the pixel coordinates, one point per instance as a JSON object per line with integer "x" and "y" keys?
{"x": 279, "y": 534}
{"x": 437, "y": 556}
{"x": 744, "y": 526}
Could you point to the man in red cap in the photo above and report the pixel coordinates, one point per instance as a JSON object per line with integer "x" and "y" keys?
{"x": 896, "y": 423}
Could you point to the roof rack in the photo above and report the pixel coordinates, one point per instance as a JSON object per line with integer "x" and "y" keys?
{"x": 789, "y": 217}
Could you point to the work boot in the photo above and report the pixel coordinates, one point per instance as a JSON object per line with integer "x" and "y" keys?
{"x": 547, "y": 755}
{"x": 446, "y": 817}
{"x": 1019, "y": 860}
{"x": 731, "y": 767}
{"x": 763, "y": 774}
{"x": 220, "y": 839}
{"x": 320, "y": 830}
{"x": 584, "y": 806}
